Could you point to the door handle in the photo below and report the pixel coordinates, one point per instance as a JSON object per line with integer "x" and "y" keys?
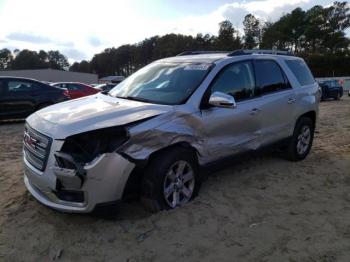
{"x": 254, "y": 111}
{"x": 291, "y": 100}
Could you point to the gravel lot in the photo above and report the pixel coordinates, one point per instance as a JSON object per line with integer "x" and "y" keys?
{"x": 263, "y": 209}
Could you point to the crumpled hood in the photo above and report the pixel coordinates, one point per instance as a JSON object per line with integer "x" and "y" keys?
{"x": 90, "y": 113}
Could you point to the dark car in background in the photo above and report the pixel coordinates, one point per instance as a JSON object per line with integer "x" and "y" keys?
{"x": 75, "y": 89}
{"x": 20, "y": 97}
{"x": 331, "y": 89}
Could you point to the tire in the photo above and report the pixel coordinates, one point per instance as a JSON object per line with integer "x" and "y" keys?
{"x": 160, "y": 179}
{"x": 337, "y": 96}
{"x": 299, "y": 147}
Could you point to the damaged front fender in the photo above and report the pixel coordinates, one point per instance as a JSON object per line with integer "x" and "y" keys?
{"x": 163, "y": 131}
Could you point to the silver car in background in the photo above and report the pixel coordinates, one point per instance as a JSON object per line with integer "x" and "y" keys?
{"x": 155, "y": 131}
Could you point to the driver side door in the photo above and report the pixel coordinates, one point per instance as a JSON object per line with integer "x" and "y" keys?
{"x": 233, "y": 130}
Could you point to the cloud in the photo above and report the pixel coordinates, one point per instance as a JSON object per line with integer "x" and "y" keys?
{"x": 94, "y": 41}
{"x": 10, "y": 47}
{"x": 36, "y": 39}
{"x": 268, "y": 6}
{"x": 74, "y": 54}
{"x": 65, "y": 44}
{"x": 234, "y": 12}
{"x": 27, "y": 37}
{"x": 98, "y": 27}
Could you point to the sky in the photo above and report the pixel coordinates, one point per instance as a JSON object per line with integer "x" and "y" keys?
{"x": 81, "y": 28}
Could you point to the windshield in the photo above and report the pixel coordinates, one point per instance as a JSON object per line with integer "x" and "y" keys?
{"x": 162, "y": 83}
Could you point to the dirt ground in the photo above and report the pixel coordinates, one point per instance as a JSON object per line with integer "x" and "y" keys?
{"x": 263, "y": 209}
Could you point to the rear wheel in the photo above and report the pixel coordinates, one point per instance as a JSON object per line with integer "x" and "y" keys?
{"x": 301, "y": 142}
{"x": 337, "y": 96}
{"x": 171, "y": 180}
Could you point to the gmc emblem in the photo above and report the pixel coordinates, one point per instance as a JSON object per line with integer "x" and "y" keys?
{"x": 30, "y": 141}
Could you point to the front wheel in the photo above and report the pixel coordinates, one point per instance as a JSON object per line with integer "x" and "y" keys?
{"x": 301, "y": 142}
{"x": 171, "y": 180}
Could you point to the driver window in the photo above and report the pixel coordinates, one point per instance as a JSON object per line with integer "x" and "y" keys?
{"x": 236, "y": 80}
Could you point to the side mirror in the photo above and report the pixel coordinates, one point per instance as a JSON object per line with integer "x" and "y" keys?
{"x": 219, "y": 99}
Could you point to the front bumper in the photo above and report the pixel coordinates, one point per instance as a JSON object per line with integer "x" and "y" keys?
{"x": 104, "y": 181}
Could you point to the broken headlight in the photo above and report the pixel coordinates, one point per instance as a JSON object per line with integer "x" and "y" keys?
{"x": 85, "y": 147}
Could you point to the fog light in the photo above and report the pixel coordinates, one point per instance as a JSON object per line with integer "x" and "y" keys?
{"x": 70, "y": 195}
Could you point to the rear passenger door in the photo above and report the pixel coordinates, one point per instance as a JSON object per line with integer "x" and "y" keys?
{"x": 277, "y": 110}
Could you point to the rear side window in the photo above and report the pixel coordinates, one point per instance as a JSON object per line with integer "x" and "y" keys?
{"x": 301, "y": 72}
{"x": 236, "y": 80}
{"x": 269, "y": 77}
{"x": 74, "y": 87}
{"x": 21, "y": 86}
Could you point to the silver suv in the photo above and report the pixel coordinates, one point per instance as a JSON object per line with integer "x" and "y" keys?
{"x": 155, "y": 131}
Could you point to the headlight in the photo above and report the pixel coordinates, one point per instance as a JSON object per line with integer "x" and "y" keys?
{"x": 85, "y": 147}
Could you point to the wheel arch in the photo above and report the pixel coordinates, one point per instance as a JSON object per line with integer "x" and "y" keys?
{"x": 310, "y": 114}
{"x": 132, "y": 186}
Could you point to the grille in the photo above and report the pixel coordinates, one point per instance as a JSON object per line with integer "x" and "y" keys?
{"x": 36, "y": 147}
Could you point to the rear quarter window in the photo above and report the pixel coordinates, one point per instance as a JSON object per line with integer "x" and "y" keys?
{"x": 301, "y": 72}
{"x": 22, "y": 86}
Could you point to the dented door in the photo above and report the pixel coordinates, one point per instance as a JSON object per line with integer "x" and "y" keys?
{"x": 232, "y": 130}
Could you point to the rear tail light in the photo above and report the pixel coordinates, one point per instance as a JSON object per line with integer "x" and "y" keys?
{"x": 66, "y": 94}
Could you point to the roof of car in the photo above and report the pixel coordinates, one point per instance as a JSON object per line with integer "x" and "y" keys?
{"x": 328, "y": 80}
{"x": 68, "y": 83}
{"x": 19, "y": 78}
{"x": 213, "y": 56}
{"x": 65, "y": 83}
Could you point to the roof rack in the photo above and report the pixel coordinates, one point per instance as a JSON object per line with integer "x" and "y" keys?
{"x": 260, "y": 51}
{"x": 240, "y": 52}
{"x": 203, "y": 52}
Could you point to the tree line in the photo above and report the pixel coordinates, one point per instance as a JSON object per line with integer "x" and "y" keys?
{"x": 27, "y": 59}
{"x": 318, "y": 35}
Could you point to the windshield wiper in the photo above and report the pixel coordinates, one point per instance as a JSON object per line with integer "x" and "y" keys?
{"x": 134, "y": 98}
{"x": 105, "y": 92}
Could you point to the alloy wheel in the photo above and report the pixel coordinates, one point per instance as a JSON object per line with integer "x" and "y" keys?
{"x": 179, "y": 184}
{"x": 304, "y": 139}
